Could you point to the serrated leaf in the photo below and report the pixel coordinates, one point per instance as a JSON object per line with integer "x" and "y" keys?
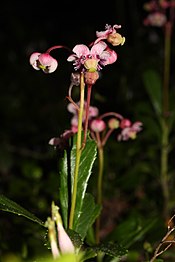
{"x": 66, "y": 179}
{"x": 9, "y": 205}
{"x": 76, "y": 238}
{"x": 89, "y": 212}
{"x": 89, "y": 253}
{"x": 112, "y": 249}
{"x": 153, "y": 86}
{"x": 64, "y": 186}
{"x": 88, "y": 157}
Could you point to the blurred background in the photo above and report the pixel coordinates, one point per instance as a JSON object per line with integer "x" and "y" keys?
{"x": 33, "y": 109}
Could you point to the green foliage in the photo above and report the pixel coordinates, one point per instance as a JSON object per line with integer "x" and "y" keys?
{"x": 10, "y": 206}
{"x": 153, "y": 85}
{"x": 66, "y": 176}
{"x": 89, "y": 212}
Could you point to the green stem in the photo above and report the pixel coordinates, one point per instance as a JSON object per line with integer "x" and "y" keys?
{"x": 166, "y": 69}
{"x": 89, "y": 88}
{"x": 164, "y": 168}
{"x": 78, "y": 151}
{"x": 165, "y": 113}
{"x": 99, "y": 188}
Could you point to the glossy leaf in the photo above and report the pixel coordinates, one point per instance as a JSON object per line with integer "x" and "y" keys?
{"x": 89, "y": 212}
{"x": 66, "y": 179}
{"x": 8, "y": 205}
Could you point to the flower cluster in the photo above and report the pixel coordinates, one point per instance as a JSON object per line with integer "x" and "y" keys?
{"x": 98, "y": 124}
{"x": 89, "y": 59}
{"x": 157, "y": 12}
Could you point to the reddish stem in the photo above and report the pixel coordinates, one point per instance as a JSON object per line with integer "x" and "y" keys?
{"x": 57, "y": 47}
{"x": 111, "y": 114}
{"x": 107, "y": 136}
{"x": 88, "y": 99}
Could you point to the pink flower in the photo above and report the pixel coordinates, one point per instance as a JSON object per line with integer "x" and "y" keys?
{"x": 93, "y": 112}
{"x": 62, "y": 141}
{"x": 125, "y": 123}
{"x": 130, "y": 132}
{"x": 92, "y": 59}
{"x": 44, "y": 62}
{"x": 97, "y": 125}
{"x": 157, "y": 19}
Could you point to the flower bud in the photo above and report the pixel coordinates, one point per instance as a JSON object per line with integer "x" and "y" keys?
{"x": 64, "y": 241}
{"x": 113, "y": 123}
{"x": 91, "y": 77}
{"x": 97, "y": 125}
{"x": 116, "y": 39}
{"x": 125, "y": 123}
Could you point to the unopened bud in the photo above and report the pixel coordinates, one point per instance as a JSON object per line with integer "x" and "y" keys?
{"x": 113, "y": 123}
{"x": 97, "y": 125}
{"x": 125, "y": 123}
{"x": 91, "y": 77}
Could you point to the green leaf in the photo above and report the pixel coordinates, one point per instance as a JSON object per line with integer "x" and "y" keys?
{"x": 112, "y": 249}
{"x": 131, "y": 230}
{"x": 63, "y": 187}
{"x": 89, "y": 253}
{"x": 67, "y": 165}
{"x": 10, "y": 206}
{"x": 153, "y": 86}
{"x": 85, "y": 169}
{"x": 89, "y": 212}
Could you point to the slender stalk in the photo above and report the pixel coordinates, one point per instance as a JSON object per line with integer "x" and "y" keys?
{"x": 88, "y": 99}
{"x": 99, "y": 188}
{"x": 166, "y": 81}
{"x": 78, "y": 151}
{"x": 164, "y": 168}
{"x": 165, "y": 111}
{"x": 57, "y": 47}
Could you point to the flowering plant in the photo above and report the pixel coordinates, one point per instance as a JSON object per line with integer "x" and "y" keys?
{"x": 78, "y": 212}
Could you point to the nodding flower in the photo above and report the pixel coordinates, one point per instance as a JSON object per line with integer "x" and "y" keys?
{"x": 130, "y": 131}
{"x": 44, "y": 62}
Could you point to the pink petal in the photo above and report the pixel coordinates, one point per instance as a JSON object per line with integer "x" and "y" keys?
{"x": 72, "y": 58}
{"x": 45, "y": 59}
{"x": 112, "y": 58}
{"x": 81, "y": 50}
{"x": 102, "y": 33}
{"x": 98, "y": 48}
{"x": 33, "y": 60}
{"x": 137, "y": 126}
{"x": 71, "y": 108}
{"x": 93, "y": 111}
{"x": 53, "y": 66}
